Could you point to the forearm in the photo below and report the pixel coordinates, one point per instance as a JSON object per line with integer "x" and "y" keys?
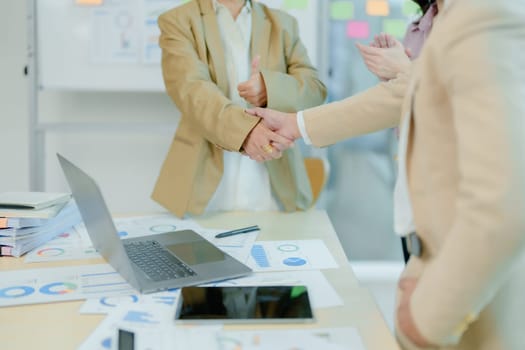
{"x": 200, "y": 100}
{"x": 216, "y": 118}
{"x": 374, "y": 109}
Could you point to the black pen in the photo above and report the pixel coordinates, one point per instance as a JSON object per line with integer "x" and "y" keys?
{"x": 238, "y": 231}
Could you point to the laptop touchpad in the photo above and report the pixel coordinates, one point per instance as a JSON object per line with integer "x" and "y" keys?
{"x": 195, "y": 253}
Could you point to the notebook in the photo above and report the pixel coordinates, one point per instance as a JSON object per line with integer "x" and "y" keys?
{"x": 32, "y": 200}
{"x": 153, "y": 262}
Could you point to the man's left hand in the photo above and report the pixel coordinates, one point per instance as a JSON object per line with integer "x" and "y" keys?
{"x": 254, "y": 90}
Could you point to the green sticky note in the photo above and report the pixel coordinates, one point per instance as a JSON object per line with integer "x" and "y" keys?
{"x": 410, "y": 8}
{"x": 395, "y": 27}
{"x": 297, "y": 291}
{"x": 341, "y": 10}
{"x": 295, "y": 4}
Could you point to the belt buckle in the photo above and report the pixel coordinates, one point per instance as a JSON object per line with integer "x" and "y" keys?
{"x": 414, "y": 245}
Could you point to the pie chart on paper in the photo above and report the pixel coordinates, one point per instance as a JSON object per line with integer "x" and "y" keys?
{"x": 292, "y": 261}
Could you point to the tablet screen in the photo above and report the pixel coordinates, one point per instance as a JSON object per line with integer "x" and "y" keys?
{"x": 245, "y": 304}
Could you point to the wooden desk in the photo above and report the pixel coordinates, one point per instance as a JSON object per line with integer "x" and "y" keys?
{"x": 60, "y": 326}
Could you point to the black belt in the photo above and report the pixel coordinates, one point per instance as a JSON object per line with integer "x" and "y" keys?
{"x": 414, "y": 244}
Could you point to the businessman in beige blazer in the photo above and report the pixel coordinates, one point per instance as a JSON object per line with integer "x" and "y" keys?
{"x": 463, "y": 164}
{"x": 212, "y": 122}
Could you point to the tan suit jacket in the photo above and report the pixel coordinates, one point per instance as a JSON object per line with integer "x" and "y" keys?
{"x": 466, "y": 174}
{"x": 195, "y": 76}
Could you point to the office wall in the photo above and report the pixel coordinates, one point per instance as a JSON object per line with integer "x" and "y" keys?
{"x": 124, "y": 163}
{"x": 13, "y": 97}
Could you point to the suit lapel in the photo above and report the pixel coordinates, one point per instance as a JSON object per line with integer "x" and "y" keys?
{"x": 260, "y": 39}
{"x": 214, "y": 43}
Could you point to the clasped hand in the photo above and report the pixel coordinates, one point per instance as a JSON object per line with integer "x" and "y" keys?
{"x": 268, "y": 139}
{"x": 263, "y": 144}
{"x": 275, "y": 133}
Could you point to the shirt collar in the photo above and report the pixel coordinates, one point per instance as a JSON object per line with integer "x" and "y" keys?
{"x": 444, "y": 4}
{"x": 247, "y": 5}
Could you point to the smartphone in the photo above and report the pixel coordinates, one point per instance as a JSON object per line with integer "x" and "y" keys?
{"x": 254, "y": 304}
{"x": 126, "y": 340}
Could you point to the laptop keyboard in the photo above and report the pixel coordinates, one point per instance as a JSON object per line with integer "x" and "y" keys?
{"x": 155, "y": 261}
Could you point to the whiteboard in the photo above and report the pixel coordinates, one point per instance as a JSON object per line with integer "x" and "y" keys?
{"x": 113, "y": 46}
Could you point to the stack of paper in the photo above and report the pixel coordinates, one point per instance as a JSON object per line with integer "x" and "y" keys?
{"x": 32, "y": 200}
{"x": 30, "y": 219}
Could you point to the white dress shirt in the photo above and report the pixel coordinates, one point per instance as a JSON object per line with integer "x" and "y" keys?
{"x": 245, "y": 184}
{"x": 403, "y": 217}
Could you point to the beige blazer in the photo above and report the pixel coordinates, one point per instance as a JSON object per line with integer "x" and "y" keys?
{"x": 466, "y": 173}
{"x": 195, "y": 76}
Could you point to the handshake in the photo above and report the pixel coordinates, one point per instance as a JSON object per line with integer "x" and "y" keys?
{"x": 275, "y": 133}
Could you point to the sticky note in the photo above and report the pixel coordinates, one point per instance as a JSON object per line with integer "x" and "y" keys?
{"x": 89, "y": 2}
{"x": 377, "y": 8}
{"x": 395, "y": 27}
{"x": 358, "y": 29}
{"x": 342, "y": 10}
{"x": 295, "y": 4}
{"x": 410, "y": 8}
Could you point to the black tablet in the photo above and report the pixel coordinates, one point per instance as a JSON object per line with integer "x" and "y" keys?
{"x": 270, "y": 304}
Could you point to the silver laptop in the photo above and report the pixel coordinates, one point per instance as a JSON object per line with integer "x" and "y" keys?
{"x": 154, "y": 262}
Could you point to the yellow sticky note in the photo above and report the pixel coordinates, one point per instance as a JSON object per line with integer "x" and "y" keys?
{"x": 342, "y": 10}
{"x": 395, "y": 27}
{"x": 377, "y": 8}
{"x": 295, "y": 4}
{"x": 89, "y": 2}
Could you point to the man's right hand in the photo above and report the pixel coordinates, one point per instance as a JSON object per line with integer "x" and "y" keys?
{"x": 263, "y": 144}
{"x": 284, "y": 124}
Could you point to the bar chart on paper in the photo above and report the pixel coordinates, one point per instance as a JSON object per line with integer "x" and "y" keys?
{"x": 290, "y": 255}
{"x": 147, "y": 321}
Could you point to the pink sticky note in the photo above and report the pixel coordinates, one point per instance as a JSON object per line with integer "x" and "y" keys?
{"x": 357, "y": 30}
